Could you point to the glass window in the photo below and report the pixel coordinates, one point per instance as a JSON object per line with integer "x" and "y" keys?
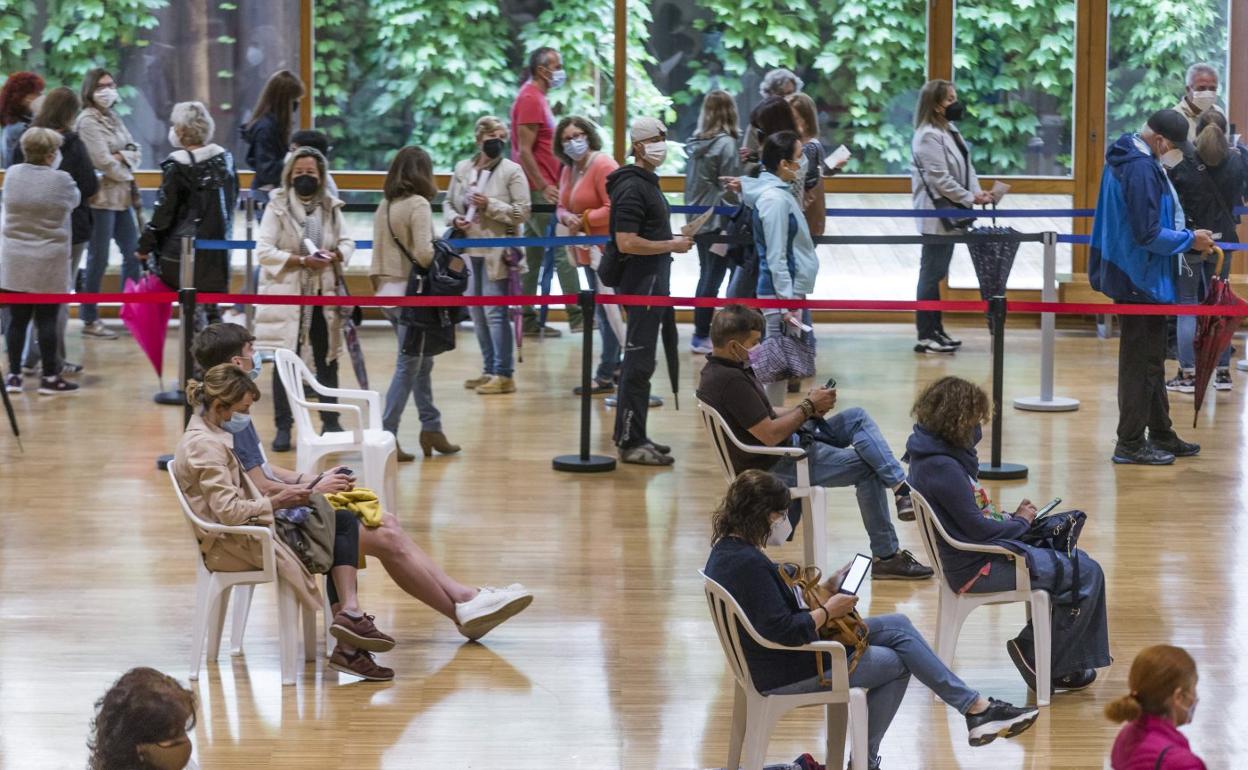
{"x": 1014, "y": 66}
{"x": 161, "y": 53}
{"x": 862, "y": 62}
{"x": 1151, "y": 46}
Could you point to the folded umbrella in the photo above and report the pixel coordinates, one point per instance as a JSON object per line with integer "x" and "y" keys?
{"x": 1213, "y": 332}
{"x": 671, "y": 351}
{"x": 8, "y": 408}
{"x": 148, "y": 322}
{"x": 514, "y": 258}
{"x": 350, "y": 336}
{"x": 992, "y": 260}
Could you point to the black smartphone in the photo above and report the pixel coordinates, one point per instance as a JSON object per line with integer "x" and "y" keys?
{"x": 344, "y": 471}
{"x": 858, "y": 571}
{"x": 830, "y": 384}
{"x": 1048, "y": 507}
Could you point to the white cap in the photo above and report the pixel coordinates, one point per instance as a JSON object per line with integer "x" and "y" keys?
{"x": 646, "y": 128}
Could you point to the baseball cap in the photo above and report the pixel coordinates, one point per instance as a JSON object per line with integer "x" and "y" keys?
{"x": 1171, "y": 124}
{"x": 648, "y": 128}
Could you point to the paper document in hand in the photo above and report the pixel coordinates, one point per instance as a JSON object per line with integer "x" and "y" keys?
{"x": 483, "y": 178}
{"x": 691, "y": 229}
{"x": 998, "y": 191}
{"x": 839, "y": 155}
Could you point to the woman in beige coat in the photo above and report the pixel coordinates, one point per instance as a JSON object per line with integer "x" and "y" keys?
{"x": 301, "y": 211}
{"x": 216, "y": 489}
{"x": 489, "y": 196}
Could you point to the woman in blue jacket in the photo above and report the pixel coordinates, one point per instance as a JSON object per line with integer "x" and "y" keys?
{"x": 267, "y": 133}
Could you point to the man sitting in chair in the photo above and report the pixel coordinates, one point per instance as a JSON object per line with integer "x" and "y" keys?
{"x": 474, "y": 611}
{"x": 850, "y": 452}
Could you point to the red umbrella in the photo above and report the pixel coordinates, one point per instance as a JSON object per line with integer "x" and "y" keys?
{"x": 1214, "y": 333}
{"x": 148, "y": 322}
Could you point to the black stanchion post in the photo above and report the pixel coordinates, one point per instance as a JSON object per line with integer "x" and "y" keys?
{"x": 186, "y": 363}
{"x": 186, "y": 277}
{"x": 998, "y": 470}
{"x": 585, "y": 462}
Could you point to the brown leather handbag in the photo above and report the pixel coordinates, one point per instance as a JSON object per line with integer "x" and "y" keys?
{"x": 813, "y": 207}
{"x": 850, "y": 630}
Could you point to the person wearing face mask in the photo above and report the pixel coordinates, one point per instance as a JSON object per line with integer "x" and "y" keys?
{"x": 850, "y": 450}
{"x": 198, "y": 190}
{"x": 145, "y": 720}
{"x": 778, "y": 83}
{"x": 941, "y": 176}
{"x": 299, "y": 212}
{"x": 641, "y": 226}
{"x": 585, "y": 209}
{"x": 1138, "y": 236}
{"x": 1200, "y": 96}
{"x": 319, "y": 141}
{"x": 489, "y": 198}
{"x": 18, "y": 100}
{"x": 944, "y": 468}
{"x": 268, "y": 131}
{"x": 532, "y": 146}
{"x": 752, "y": 517}
{"x": 116, "y": 156}
{"x": 788, "y": 262}
{"x": 1162, "y": 699}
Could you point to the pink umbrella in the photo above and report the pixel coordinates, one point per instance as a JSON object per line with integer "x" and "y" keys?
{"x": 148, "y": 322}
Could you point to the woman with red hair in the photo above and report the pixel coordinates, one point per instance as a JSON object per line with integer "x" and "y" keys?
{"x": 20, "y": 90}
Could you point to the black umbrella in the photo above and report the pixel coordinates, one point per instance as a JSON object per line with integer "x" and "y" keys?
{"x": 993, "y": 260}
{"x": 8, "y": 407}
{"x": 671, "y": 351}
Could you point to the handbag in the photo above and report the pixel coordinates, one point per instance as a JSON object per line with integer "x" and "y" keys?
{"x": 309, "y": 531}
{"x": 850, "y": 630}
{"x": 431, "y": 330}
{"x": 942, "y": 202}
{"x": 781, "y": 357}
{"x": 1059, "y": 533}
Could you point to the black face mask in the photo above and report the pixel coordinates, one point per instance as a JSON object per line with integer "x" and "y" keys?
{"x": 492, "y": 148}
{"x": 305, "y": 185}
{"x": 294, "y": 106}
{"x": 955, "y": 112}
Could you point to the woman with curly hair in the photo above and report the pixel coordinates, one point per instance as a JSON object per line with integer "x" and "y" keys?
{"x": 144, "y": 720}
{"x": 17, "y": 98}
{"x": 944, "y": 468}
{"x": 754, "y": 515}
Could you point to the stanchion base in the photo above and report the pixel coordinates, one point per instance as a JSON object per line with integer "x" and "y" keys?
{"x": 170, "y": 397}
{"x": 1242, "y": 364}
{"x": 1002, "y": 472}
{"x": 162, "y": 462}
{"x": 1038, "y": 404}
{"x": 578, "y": 464}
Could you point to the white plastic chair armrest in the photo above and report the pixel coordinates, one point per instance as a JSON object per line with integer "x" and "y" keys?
{"x": 370, "y": 399}
{"x": 758, "y": 449}
{"x": 263, "y": 534}
{"x": 356, "y": 430}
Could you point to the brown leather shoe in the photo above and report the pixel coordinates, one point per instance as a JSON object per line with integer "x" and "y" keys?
{"x": 360, "y": 632}
{"x": 436, "y": 439}
{"x": 404, "y": 457}
{"x": 359, "y": 663}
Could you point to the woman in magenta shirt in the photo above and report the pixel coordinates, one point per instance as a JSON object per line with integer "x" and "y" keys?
{"x": 1163, "y": 697}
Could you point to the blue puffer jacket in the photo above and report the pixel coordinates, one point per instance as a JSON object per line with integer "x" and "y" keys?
{"x": 1139, "y": 229}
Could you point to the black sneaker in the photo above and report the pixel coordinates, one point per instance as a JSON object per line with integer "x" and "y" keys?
{"x": 999, "y": 720}
{"x": 13, "y": 383}
{"x": 945, "y": 338}
{"x": 1076, "y": 681}
{"x": 645, "y": 454}
{"x": 1023, "y": 661}
{"x": 598, "y": 388}
{"x": 1143, "y": 454}
{"x": 1176, "y": 446}
{"x": 899, "y": 566}
{"x": 1222, "y": 380}
{"x": 55, "y": 386}
{"x": 931, "y": 345}
{"x": 281, "y": 441}
{"x": 905, "y": 505}
{"x": 664, "y": 449}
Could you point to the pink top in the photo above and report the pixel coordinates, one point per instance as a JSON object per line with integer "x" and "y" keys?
{"x": 589, "y": 196}
{"x": 1141, "y": 742}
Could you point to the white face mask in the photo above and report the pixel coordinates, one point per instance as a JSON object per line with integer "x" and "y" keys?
{"x": 173, "y": 138}
{"x": 656, "y": 153}
{"x": 1204, "y": 99}
{"x": 106, "y": 97}
{"x": 1172, "y": 158}
{"x": 56, "y": 160}
{"x": 36, "y": 105}
{"x": 576, "y": 148}
{"x": 781, "y": 528}
{"x": 558, "y": 78}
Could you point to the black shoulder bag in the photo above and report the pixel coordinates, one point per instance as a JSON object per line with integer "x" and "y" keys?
{"x": 941, "y": 203}
{"x": 431, "y": 330}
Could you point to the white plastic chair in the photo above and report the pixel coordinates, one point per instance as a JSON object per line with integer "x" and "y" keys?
{"x": 377, "y": 447}
{"x": 953, "y": 607}
{"x": 814, "y": 499}
{"x": 212, "y": 596}
{"x": 754, "y": 715}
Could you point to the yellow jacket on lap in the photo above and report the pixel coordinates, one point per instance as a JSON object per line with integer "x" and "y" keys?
{"x": 360, "y": 501}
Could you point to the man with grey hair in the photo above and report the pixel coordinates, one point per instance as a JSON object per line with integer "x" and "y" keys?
{"x": 1201, "y": 95}
{"x": 780, "y": 82}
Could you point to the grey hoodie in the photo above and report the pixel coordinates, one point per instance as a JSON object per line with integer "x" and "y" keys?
{"x": 709, "y": 159}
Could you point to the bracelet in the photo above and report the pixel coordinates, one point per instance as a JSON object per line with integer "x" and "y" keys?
{"x": 807, "y": 407}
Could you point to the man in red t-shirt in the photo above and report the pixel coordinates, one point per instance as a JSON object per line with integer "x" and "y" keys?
{"x": 532, "y": 140}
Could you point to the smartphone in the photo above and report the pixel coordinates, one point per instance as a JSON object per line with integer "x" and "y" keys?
{"x": 1048, "y": 507}
{"x": 858, "y": 571}
{"x": 830, "y": 384}
{"x": 344, "y": 471}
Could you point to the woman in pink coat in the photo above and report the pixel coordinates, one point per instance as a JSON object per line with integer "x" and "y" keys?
{"x": 1163, "y": 697}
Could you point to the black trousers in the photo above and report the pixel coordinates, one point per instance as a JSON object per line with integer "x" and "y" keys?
{"x": 933, "y": 268}
{"x": 45, "y": 327}
{"x": 712, "y": 269}
{"x": 1142, "y": 399}
{"x": 326, "y": 374}
{"x": 640, "y": 347}
{"x": 346, "y": 548}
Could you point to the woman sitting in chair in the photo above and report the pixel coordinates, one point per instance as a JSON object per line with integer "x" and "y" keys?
{"x": 754, "y": 514}
{"x": 944, "y": 468}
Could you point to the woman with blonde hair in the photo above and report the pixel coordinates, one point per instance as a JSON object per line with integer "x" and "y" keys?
{"x": 712, "y": 153}
{"x": 1162, "y": 698}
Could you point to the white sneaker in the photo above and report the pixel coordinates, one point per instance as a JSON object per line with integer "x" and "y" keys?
{"x": 930, "y": 345}
{"x": 490, "y": 607}
{"x": 98, "y": 330}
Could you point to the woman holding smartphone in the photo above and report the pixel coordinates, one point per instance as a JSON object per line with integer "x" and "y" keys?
{"x": 754, "y": 515}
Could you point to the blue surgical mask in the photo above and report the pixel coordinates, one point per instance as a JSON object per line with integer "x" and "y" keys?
{"x": 255, "y": 366}
{"x": 237, "y": 423}
{"x": 576, "y": 148}
{"x": 558, "y": 78}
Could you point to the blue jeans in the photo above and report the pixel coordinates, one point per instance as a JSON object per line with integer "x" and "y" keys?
{"x": 118, "y": 227}
{"x": 862, "y": 458}
{"x": 609, "y": 361}
{"x": 1195, "y": 279}
{"x": 492, "y": 325}
{"x": 412, "y": 374}
{"x": 896, "y": 651}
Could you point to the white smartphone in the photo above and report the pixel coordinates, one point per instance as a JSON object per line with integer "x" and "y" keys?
{"x": 841, "y": 153}
{"x": 858, "y": 571}
{"x": 1048, "y": 507}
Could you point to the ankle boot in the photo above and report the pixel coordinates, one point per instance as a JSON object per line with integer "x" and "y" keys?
{"x": 436, "y": 439}
{"x": 403, "y": 457}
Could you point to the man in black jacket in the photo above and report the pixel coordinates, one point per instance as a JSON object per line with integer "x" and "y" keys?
{"x": 642, "y": 229}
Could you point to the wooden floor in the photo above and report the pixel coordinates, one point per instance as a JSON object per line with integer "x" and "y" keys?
{"x": 615, "y": 665}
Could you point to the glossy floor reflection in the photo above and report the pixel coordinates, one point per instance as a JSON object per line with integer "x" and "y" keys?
{"x": 615, "y": 665}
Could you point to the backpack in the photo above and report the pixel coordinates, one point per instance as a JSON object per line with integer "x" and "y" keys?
{"x": 740, "y": 228}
